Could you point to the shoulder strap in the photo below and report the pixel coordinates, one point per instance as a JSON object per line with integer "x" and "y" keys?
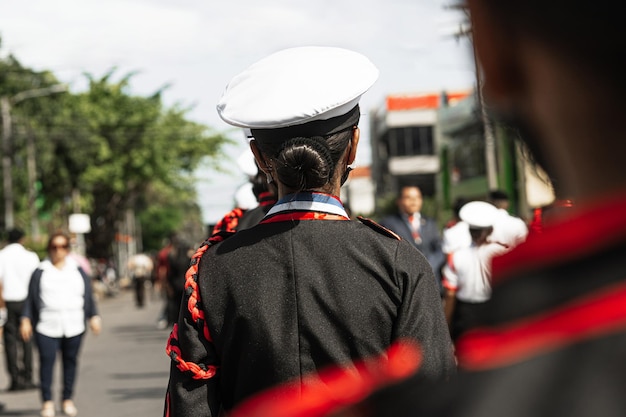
{"x": 378, "y": 228}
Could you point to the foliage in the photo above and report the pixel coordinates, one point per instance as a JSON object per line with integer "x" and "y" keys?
{"x": 104, "y": 152}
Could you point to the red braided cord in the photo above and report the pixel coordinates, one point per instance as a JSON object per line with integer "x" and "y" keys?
{"x": 172, "y": 349}
{"x": 194, "y": 296}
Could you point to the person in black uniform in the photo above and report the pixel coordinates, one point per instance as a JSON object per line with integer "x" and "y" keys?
{"x": 306, "y": 287}
{"x": 552, "y": 339}
{"x": 238, "y": 219}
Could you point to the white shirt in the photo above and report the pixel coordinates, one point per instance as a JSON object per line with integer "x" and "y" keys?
{"x": 140, "y": 265}
{"x": 456, "y": 237}
{"x": 16, "y": 266}
{"x": 62, "y": 294}
{"x": 468, "y": 271}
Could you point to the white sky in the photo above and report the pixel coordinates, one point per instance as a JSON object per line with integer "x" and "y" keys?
{"x": 197, "y": 46}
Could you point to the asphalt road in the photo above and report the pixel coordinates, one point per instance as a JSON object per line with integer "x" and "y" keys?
{"x": 122, "y": 372}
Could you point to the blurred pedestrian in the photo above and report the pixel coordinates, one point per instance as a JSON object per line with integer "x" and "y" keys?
{"x": 306, "y": 287}
{"x": 421, "y": 231}
{"x": 178, "y": 258}
{"x": 59, "y": 302}
{"x": 16, "y": 266}
{"x": 160, "y": 284}
{"x": 140, "y": 267}
{"x": 467, "y": 274}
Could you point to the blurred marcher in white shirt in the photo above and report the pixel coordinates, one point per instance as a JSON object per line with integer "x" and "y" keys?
{"x": 16, "y": 266}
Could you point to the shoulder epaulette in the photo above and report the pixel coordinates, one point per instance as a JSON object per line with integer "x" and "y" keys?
{"x": 218, "y": 237}
{"x": 377, "y": 227}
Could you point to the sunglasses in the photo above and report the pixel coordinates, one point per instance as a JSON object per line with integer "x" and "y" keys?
{"x": 56, "y": 247}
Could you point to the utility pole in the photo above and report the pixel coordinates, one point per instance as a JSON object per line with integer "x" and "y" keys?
{"x": 32, "y": 190}
{"x": 7, "y": 181}
{"x": 6, "y": 103}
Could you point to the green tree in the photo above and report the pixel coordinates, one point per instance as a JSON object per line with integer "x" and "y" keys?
{"x": 125, "y": 145}
{"x": 105, "y": 152}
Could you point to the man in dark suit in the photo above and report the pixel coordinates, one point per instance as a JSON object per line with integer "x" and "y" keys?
{"x": 421, "y": 231}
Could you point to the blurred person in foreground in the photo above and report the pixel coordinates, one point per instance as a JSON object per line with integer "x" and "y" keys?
{"x": 16, "y": 266}
{"x": 306, "y": 287}
{"x": 60, "y": 301}
{"x": 552, "y": 339}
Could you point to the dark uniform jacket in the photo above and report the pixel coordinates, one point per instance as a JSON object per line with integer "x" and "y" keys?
{"x": 429, "y": 243}
{"x": 553, "y": 336}
{"x": 296, "y": 294}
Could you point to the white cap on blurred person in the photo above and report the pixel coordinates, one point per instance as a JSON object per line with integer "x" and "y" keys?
{"x": 245, "y": 198}
{"x": 247, "y": 164}
{"x": 478, "y": 214}
{"x": 297, "y": 86}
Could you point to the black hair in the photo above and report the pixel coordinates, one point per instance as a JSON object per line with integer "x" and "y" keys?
{"x": 56, "y": 235}
{"x": 458, "y": 204}
{"x": 408, "y": 185}
{"x": 480, "y": 234}
{"x": 259, "y": 184}
{"x": 14, "y": 235}
{"x": 305, "y": 157}
{"x": 498, "y": 195}
{"x": 308, "y": 163}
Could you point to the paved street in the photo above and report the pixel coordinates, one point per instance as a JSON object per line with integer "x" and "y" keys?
{"x": 122, "y": 372}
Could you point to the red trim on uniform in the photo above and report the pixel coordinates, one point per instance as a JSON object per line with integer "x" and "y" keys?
{"x": 334, "y": 388}
{"x": 173, "y": 351}
{"x": 599, "y": 227}
{"x": 601, "y": 313}
{"x": 302, "y": 215}
{"x": 446, "y": 284}
{"x": 444, "y": 281}
{"x": 172, "y": 348}
{"x": 229, "y": 222}
{"x": 450, "y": 261}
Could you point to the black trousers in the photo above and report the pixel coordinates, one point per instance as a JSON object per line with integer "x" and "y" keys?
{"x": 465, "y": 317}
{"x": 18, "y": 353}
{"x": 173, "y": 306}
{"x": 48, "y": 349}
{"x": 140, "y": 290}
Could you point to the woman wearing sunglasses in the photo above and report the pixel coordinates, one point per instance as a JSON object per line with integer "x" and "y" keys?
{"x": 59, "y": 302}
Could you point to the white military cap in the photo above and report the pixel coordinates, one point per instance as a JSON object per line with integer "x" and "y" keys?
{"x": 478, "y": 214}
{"x": 296, "y": 86}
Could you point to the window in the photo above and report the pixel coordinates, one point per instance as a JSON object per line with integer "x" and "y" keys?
{"x": 467, "y": 157}
{"x": 409, "y": 141}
